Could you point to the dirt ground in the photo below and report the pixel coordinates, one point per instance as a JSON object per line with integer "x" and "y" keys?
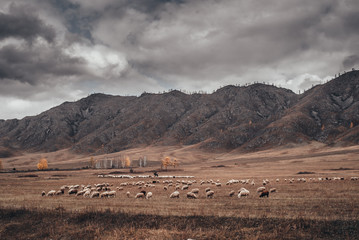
{"x": 309, "y": 162}
{"x": 313, "y": 183}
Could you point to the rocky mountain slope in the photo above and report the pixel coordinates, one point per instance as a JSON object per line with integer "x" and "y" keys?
{"x": 251, "y": 118}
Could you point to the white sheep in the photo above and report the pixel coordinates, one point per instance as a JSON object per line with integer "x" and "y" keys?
{"x": 244, "y": 192}
{"x": 191, "y": 195}
{"x": 80, "y": 193}
{"x": 261, "y": 189}
{"x": 87, "y": 193}
{"x": 218, "y": 184}
{"x": 231, "y": 193}
{"x": 104, "y": 194}
{"x": 43, "y": 193}
{"x": 209, "y": 194}
{"x": 185, "y": 187}
{"x": 149, "y": 195}
{"x": 195, "y": 190}
{"x": 272, "y": 190}
{"x": 165, "y": 188}
{"x": 59, "y": 192}
{"x": 51, "y": 193}
{"x": 208, "y": 189}
{"x": 111, "y": 194}
{"x": 175, "y": 194}
{"x": 140, "y": 195}
{"x": 95, "y": 194}
{"x": 128, "y": 194}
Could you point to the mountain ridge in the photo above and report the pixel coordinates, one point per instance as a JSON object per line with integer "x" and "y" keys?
{"x": 248, "y": 118}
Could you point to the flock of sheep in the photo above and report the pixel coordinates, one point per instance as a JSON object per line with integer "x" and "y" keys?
{"x": 106, "y": 190}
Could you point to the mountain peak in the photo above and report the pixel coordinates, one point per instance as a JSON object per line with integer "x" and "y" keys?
{"x": 249, "y": 117}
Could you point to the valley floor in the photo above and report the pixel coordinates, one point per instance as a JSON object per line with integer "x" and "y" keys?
{"x": 306, "y": 208}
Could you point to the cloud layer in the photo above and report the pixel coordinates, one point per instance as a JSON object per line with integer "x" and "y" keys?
{"x": 65, "y": 50}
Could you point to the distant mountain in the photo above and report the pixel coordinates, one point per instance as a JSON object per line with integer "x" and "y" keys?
{"x": 251, "y": 118}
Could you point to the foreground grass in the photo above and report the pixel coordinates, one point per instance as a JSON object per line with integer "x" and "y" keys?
{"x": 93, "y": 224}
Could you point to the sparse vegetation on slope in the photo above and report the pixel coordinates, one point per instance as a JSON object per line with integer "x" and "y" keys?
{"x": 252, "y": 117}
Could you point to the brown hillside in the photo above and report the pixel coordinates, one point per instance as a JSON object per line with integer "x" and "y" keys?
{"x": 251, "y": 118}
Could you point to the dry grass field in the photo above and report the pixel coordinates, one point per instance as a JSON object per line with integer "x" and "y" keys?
{"x": 314, "y": 209}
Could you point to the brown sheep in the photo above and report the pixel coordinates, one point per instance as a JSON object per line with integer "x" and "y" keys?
{"x": 264, "y": 193}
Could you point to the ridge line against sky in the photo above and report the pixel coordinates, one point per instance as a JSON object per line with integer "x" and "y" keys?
{"x": 53, "y": 51}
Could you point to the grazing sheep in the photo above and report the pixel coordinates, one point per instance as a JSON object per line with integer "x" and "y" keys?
{"x": 231, "y": 193}
{"x": 62, "y": 189}
{"x": 272, "y": 190}
{"x": 264, "y": 193}
{"x": 87, "y": 193}
{"x": 43, "y": 193}
{"x": 104, "y": 194}
{"x": 95, "y": 194}
{"x": 149, "y": 195}
{"x": 210, "y": 194}
{"x": 218, "y": 184}
{"x": 111, "y": 194}
{"x": 208, "y": 189}
{"x": 261, "y": 189}
{"x": 128, "y": 194}
{"x": 242, "y": 189}
{"x": 51, "y": 193}
{"x": 175, "y": 194}
{"x": 195, "y": 190}
{"x": 165, "y": 188}
{"x": 191, "y": 195}
{"x": 243, "y": 192}
{"x": 72, "y": 191}
{"x": 185, "y": 187}
{"x": 80, "y": 193}
{"x": 59, "y": 192}
{"x": 140, "y": 195}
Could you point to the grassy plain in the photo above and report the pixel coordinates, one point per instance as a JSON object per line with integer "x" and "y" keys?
{"x": 300, "y": 210}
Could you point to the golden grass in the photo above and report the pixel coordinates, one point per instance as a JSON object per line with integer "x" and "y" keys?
{"x": 307, "y": 209}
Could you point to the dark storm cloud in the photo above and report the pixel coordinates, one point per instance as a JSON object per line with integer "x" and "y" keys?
{"x": 131, "y": 46}
{"x": 19, "y": 23}
{"x": 33, "y": 65}
{"x": 76, "y": 20}
{"x": 351, "y": 61}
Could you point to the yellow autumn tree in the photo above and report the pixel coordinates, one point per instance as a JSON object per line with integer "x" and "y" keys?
{"x": 166, "y": 162}
{"x": 42, "y": 165}
{"x": 127, "y": 161}
{"x": 92, "y": 162}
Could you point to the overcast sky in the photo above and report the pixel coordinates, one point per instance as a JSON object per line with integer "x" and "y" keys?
{"x": 53, "y": 51}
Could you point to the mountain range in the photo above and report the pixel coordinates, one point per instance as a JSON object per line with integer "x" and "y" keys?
{"x": 247, "y": 118}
